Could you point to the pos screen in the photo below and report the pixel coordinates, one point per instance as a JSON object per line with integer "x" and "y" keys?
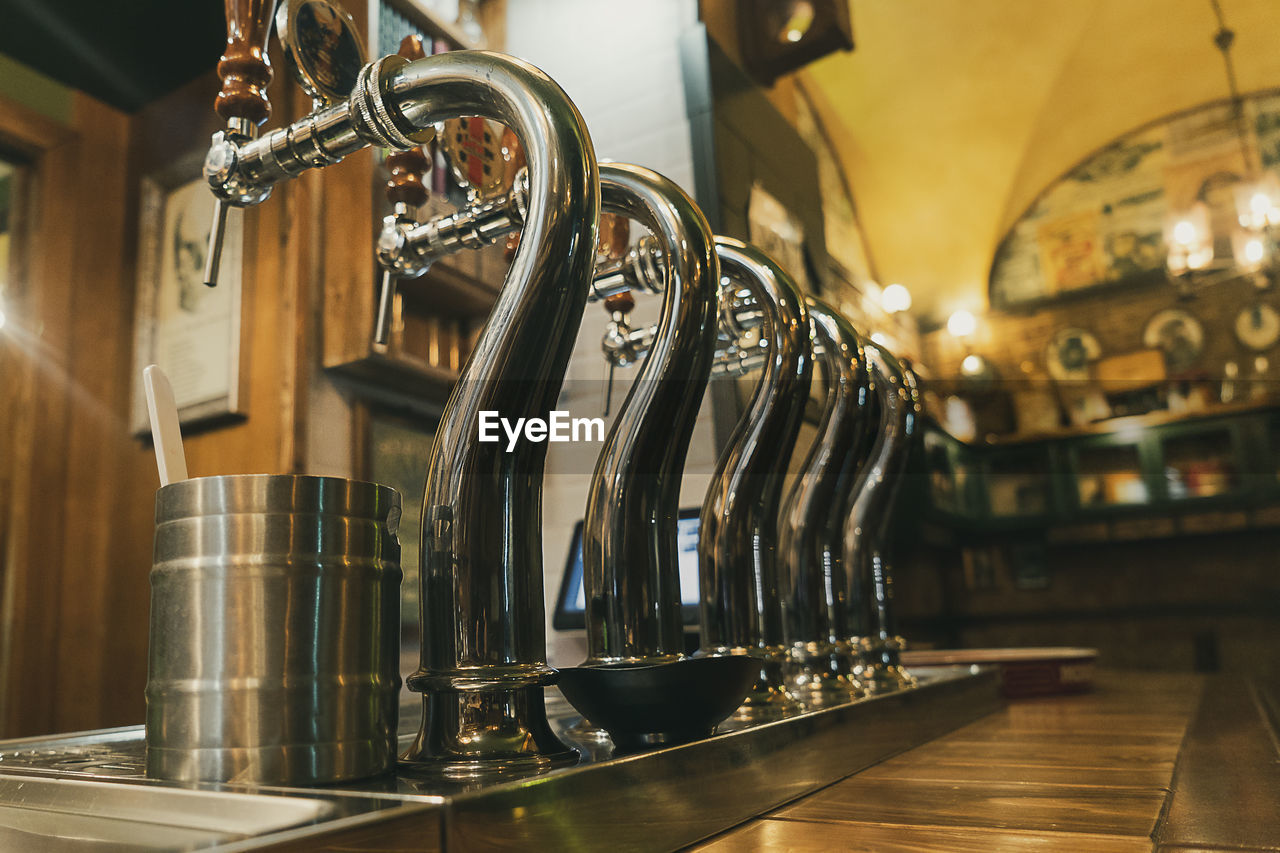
{"x": 571, "y": 603}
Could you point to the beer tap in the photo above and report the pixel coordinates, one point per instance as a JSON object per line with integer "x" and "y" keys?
{"x": 483, "y": 641}
{"x": 629, "y": 549}
{"x": 811, "y": 535}
{"x": 615, "y": 234}
{"x": 640, "y": 269}
{"x": 406, "y": 190}
{"x": 742, "y": 598}
{"x": 242, "y": 103}
{"x": 630, "y": 558}
{"x": 867, "y": 557}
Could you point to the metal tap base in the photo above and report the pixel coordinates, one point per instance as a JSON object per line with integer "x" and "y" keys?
{"x": 820, "y": 676}
{"x": 493, "y": 732}
{"x": 880, "y": 678}
{"x": 770, "y": 696}
{"x": 879, "y": 666}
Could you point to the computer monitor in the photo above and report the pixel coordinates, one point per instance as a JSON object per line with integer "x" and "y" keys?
{"x": 571, "y": 603}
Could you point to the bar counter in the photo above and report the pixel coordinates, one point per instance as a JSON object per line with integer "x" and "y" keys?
{"x": 1164, "y": 762}
{"x": 1146, "y": 762}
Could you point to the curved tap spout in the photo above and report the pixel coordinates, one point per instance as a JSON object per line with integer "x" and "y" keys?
{"x": 811, "y": 534}
{"x": 741, "y": 604}
{"x": 866, "y": 532}
{"x": 483, "y": 635}
{"x": 630, "y": 563}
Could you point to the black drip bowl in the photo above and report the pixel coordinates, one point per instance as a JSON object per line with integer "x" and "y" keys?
{"x": 642, "y": 705}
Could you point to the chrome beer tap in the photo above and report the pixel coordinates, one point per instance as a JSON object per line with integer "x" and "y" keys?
{"x": 811, "y": 535}
{"x": 867, "y": 559}
{"x": 615, "y": 233}
{"x": 242, "y": 103}
{"x": 326, "y": 63}
{"x": 483, "y": 640}
{"x": 742, "y": 598}
{"x": 640, "y": 269}
{"x": 630, "y": 559}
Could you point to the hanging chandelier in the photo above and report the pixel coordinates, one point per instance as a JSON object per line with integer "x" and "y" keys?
{"x": 1189, "y": 234}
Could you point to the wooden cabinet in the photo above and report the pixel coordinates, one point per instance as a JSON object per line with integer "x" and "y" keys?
{"x": 438, "y": 316}
{"x": 1139, "y": 480}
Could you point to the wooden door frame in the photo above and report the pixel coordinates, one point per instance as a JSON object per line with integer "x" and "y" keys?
{"x": 27, "y": 139}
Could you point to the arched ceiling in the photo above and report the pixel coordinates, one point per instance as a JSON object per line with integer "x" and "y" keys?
{"x": 951, "y": 116}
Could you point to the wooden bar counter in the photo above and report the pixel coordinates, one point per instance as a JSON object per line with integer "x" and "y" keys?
{"x": 1146, "y": 762}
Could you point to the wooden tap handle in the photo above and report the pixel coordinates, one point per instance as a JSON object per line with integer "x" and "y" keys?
{"x": 620, "y": 302}
{"x": 615, "y": 235}
{"x": 406, "y": 184}
{"x": 411, "y": 47}
{"x": 409, "y": 167}
{"x": 244, "y": 67}
{"x": 513, "y": 161}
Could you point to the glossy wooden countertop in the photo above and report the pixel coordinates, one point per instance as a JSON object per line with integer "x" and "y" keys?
{"x": 1091, "y": 773}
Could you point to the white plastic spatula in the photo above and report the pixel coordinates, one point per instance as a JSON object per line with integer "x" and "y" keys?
{"x": 162, "y": 408}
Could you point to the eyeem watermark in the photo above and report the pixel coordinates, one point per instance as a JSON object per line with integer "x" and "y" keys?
{"x": 558, "y": 427}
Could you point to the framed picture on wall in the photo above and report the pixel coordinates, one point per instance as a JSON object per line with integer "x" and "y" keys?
{"x": 397, "y": 448}
{"x": 190, "y": 330}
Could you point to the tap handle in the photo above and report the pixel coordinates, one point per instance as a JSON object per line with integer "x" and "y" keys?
{"x": 615, "y": 235}
{"x": 620, "y": 303}
{"x": 405, "y": 189}
{"x": 244, "y": 67}
{"x": 513, "y": 160}
{"x": 408, "y": 167}
{"x": 213, "y": 257}
{"x": 386, "y": 302}
{"x": 407, "y": 170}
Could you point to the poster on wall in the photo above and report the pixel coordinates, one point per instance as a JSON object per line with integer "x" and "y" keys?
{"x": 1103, "y": 222}
{"x": 1071, "y": 251}
{"x": 190, "y": 330}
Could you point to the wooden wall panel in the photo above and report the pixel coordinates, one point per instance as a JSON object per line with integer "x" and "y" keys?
{"x": 71, "y": 314}
{"x": 78, "y": 488}
{"x": 77, "y": 491}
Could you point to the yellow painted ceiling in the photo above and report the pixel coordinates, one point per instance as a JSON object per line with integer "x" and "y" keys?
{"x": 951, "y": 116}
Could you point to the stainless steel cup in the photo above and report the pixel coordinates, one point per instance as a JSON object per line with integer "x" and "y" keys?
{"x": 275, "y": 630}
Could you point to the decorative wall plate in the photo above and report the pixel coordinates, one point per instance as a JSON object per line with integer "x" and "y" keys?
{"x": 1178, "y": 335}
{"x": 1069, "y": 353}
{"x": 321, "y": 46}
{"x": 1258, "y": 326}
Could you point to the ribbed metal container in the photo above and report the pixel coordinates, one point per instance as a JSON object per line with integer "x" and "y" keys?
{"x": 275, "y": 630}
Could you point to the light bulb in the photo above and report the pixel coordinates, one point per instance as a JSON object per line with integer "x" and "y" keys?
{"x": 972, "y": 365}
{"x": 895, "y": 298}
{"x": 1184, "y": 233}
{"x": 1254, "y": 251}
{"x": 962, "y": 324}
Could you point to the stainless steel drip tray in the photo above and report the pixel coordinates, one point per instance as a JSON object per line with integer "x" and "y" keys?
{"x": 68, "y": 814}
{"x": 88, "y": 792}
